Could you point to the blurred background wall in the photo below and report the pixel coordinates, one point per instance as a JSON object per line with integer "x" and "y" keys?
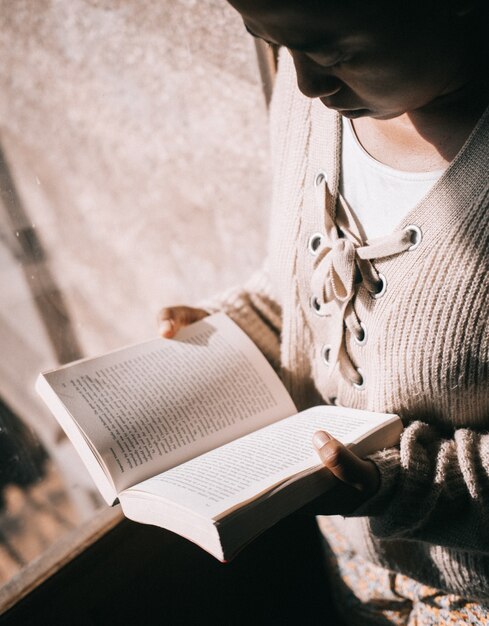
{"x": 135, "y": 174}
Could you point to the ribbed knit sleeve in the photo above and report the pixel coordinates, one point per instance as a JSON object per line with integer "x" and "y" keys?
{"x": 429, "y": 481}
{"x": 254, "y": 307}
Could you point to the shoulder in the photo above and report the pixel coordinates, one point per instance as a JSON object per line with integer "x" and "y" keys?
{"x": 294, "y": 118}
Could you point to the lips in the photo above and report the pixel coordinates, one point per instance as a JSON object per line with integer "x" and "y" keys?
{"x": 349, "y": 112}
{"x": 331, "y": 103}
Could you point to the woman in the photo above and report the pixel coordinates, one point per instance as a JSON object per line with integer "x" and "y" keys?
{"x": 375, "y": 293}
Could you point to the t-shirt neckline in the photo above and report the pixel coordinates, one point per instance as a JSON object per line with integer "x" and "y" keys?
{"x": 387, "y": 170}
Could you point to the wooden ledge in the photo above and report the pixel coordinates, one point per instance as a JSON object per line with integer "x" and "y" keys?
{"x": 58, "y": 555}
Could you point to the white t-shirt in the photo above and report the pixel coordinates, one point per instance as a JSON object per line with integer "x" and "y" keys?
{"x": 379, "y": 196}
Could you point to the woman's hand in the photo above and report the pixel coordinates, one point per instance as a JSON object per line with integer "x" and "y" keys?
{"x": 172, "y": 319}
{"x": 356, "y": 479}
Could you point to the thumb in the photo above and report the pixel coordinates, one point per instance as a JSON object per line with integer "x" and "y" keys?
{"x": 345, "y": 464}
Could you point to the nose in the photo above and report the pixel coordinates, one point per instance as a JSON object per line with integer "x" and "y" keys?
{"x": 314, "y": 80}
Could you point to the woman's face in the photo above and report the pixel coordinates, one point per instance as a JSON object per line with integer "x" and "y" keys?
{"x": 376, "y": 59}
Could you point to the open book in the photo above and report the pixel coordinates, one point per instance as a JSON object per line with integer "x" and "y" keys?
{"x": 198, "y": 434}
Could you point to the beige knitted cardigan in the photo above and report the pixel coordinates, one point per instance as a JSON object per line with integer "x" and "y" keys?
{"x": 426, "y": 356}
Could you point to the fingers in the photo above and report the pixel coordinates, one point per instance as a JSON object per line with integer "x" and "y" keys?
{"x": 345, "y": 464}
{"x": 172, "y": 319}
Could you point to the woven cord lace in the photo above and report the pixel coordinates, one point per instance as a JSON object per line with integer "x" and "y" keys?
{"x": 343, "y": 262}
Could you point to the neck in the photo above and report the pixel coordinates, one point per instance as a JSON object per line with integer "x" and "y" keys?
{"x": 428, "y": 138}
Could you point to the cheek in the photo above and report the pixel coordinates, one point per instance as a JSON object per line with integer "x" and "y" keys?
{"x": 390, "y": 88}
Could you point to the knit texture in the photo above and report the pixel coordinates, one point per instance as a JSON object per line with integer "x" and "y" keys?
{"x": 426, "y": 357}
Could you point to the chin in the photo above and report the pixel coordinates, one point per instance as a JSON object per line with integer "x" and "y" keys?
{"x": 376, "y": 115}
{"x": 354, "y": 114}
{"x": 350, "y": 113}
{"x": 382, "y": 115}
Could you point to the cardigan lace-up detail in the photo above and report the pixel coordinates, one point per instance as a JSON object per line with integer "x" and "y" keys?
{"x": 342, "y": 263}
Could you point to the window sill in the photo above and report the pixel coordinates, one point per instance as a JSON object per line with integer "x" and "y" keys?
{"x": 57, "y": 556}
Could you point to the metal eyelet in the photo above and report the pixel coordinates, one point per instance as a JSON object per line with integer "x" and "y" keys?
{"x": 320, "y": 178}
{"x": 314, "y": 242}
{"x": 317, "y": 307}
{"x": 383, "y": 286}
{"x": 325, "y": 352}
{"x": 361, "y": 385}
{"x": 416, "y": 236}
{"x": 362, "y": 339}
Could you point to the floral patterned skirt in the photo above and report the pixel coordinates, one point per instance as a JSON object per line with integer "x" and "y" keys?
{"x": 367, "y": 595}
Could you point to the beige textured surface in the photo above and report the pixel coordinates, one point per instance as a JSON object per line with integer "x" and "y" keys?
{"x": 136, "y": 133}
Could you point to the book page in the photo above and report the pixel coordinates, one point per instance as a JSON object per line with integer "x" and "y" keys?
{"x": 222, "y": 479}
{"x": 151, "y": 406}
